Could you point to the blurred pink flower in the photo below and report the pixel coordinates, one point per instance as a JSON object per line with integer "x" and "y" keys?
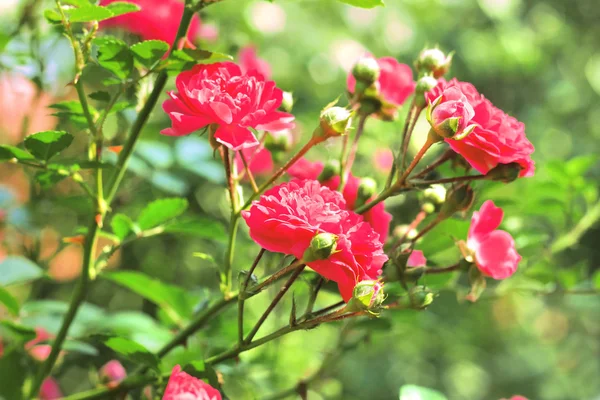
{"x": 249, "y": 61}
{"x": 383, "y": 159}
{"x": 112, "y": 372}
{"x": 50, "y": 390}
{"x": 183, "y": 386}
{"x": 258, "y": 158}
{"x": 208, "y": 32}
{"x": 416, "y": 259}
{"x": 39, "y": 351}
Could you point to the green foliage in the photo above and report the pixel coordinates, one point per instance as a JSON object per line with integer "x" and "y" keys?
{"x": 17, "y": 269}
{"x": 132, "y": 351}
{"x": 199, "y": 227}
{"x": 11, "y": 304}
{"x": 114, "y": 56}
{"x": 149, "y": 52}
{"x": 413, "y": 392}
{"x": 45, "y": 145}
{"x": 122, "y": 225}
{"x": 364, "y": 3}
{"x": 10, "y": 152}
{"x": 161, "y": 211}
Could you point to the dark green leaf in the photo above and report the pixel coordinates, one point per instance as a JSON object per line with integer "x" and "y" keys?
{"x": 364, "y": 3}
{"x": 100, "y": 96}
{"x": 121, "y": 226}
{"x": 23, "y": 333}
{"x": 9, "y": 152}
{"x": 18, "y": 269}
{"x": 121, "y": 7}
{"x": 132, "y": 351}
{"x": 13, "y": 371}
{"x": 49, "y": 178}
{"x": 149, "y": 52}
{"x": 89, "y": 13}
{"x": 200, "y": 227}
{"x": 11, "y": 304}
{"x": 160, "y": 211}
{"x": 413, "y": 392}
{"x": 172, "y": 299}
{"x": 69, "y": 106}
{"x": 114, "y": 56}
{"x": 187, "y": 58}
{"x": 45, "y": 145}
{"x": 80, "y": 347}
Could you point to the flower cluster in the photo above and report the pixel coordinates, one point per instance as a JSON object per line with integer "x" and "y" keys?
{"x": 288, "y": 217}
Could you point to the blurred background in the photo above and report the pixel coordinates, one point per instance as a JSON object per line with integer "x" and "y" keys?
{"x": 536, "y": 334}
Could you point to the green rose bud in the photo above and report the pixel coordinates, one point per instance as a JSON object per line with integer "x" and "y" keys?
{"x": 334, "y": 121}
{"x": 332, "y": 168}
{"x": 367, "y": 188}
{"x": 287, "y": 103}
{"x": 321, "y": 247}
{"x": 366, "y": 71}
{"x": 458, "y": 198}
{"x": 433, "y": 62}
{"x": 367, "y": 296}
{"x": 504, "y": 172}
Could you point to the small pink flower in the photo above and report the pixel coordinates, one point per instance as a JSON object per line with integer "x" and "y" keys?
{"x": 221, "y": 95}
{"x": 208, "y": 32}
{"x": 38, "y": 351}
{"x": 395, "y": 83}
{"x": 50, "y": 390}
{"x": 112, "y": 372}
{"x": 383, "y": 159}
{"x": 157, "y": 20}
{"x": 493, "y": 249}
{"x": 183, "y": 386}
{"x": 451, "y": 105}
{"x": 416, "y": 259}
{"x": 249, "y": 61}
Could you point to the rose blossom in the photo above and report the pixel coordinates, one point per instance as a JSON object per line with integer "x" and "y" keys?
{"x": 493, "y": 249}
{"x": 395, "y": 82}
{"x": 50, "y": 390}
{"x": 183, "y": 386}
{"x": 376, "y": 216}
{"x": 220, "y": 94}
{"x": 249, "y": 61}
{"x": 497, "y": 138}
{"x": 157, "y": 20}
{"x": 288, "y": 216}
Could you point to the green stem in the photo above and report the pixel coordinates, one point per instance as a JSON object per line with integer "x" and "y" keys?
{"x": 409, "y": 125}
{"x": 247, "y": 169}
{"x": 426, "y": 146}
{"x": 455, "y": 179}
{"x": 313, "y": 295}
{"x": 243, "y": 288}
{"x": 276, "y": 276}
{"x": 429, "y": 227}
{"x": 123, "y": 387}
{"x": 442, "y": 270}
{"x": 347, "y": 166}
{"x": 572, "y": 237}
{"x": 388, "y": 192}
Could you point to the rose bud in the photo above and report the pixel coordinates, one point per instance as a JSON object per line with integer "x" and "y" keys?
{"x": 334, "y": 121}
{"x": 367, "y": 296}
{"x": 366, "y": 71}
{"x": 424, "y": 85}
{"x": 504, "y": 172}
{"x": 450, "y": 115}
{"x": 321, "y": 247}
{"x": 421, "y": 296}
{"x": 458, "y": 198}
{"x": 112, "y": 372}
{"x": 287, "y": 103}
{"x": 434, "y": 62}
{"x": 330, "y": 169}
{"x": 367, "y": 188}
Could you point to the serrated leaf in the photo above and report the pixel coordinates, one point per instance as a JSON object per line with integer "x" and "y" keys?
{"x": 364, "y": 3}
{"x": 11, "y": 304}
{"x": 49, "y": 178}
{"x": 132, "y": 351}
{"x": 414, "y": 392}
{"x": 45, "y": 145}
{"x": 69, "y": 106}
{"x": 121, "y": 226}
{"x": 100, "y": 95}
{"x": 160, "y": 211}
{"x": 18, "y": 269}
{"x": 172, "y": 299}
{"x": 89, "y": 13}
{"x": 149, "y": 52}
{"x": 200, "y": 227}
{"x": 122, "y": 7}
{"x": 114, "y": 56}
{"x": 9, "y": 152}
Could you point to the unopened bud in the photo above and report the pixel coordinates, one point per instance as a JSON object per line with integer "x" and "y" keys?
{"x": 334, "y": 121}
{"x": 401, "y": 231}
{"x": 504, "y": 172}
{"x": 424, "y": 85}
{"x": 366, "y": 71}
{"x": 321, "y": 247}
{"x": 112, "y": 372}
{"x": 421, "y": 296}
{"x": 367, "y": 188}
{"x": 458, "y": 198}
{"x": 428, "y": 208}
{"x": 434, "y": 62}
{"x": 278, "y": 141}
{"x": 367, "y": 296}
{"x": 330, "y": 169}
{"x": 287, "y": 103}
{"x": 435, "y": 193}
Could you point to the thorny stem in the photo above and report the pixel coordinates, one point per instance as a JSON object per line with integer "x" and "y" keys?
{"x": 277, "y": 275}
{"x": 347, "y": 166}
{"x": 429, "y": 227}
{"x": 233, "y": 223}
{"x": 426, "y": 146}
{"x": 243, "y": 288}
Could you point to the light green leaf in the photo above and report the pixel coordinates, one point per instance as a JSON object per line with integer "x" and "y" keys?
{"x": 200, "y": 227}
{"x": 596, "y": 280}
{"x": 17, "y": 269}
{"x": 121, "y": 7}
{"x": 114, "y": 56}
{"x": 11, "y": 304}
{"x": 413, "y": 392}
{"x": 52, "y": 16}
{"x": 49, "y": 178}
{"x": 149, "y": 52}
{"x": 364, "y": 3}
{"x": 45, "y": 145}
{"x": 172, "y": 299}
{"x": 89, "y": 13}
{"x": 160, "y": 211}
{"x": 80, "y": 347}
{"x": 23, "y": 333}
{"x": 9, "y": 152}
{"x": 122, "y": 225}
{"x": 132, "y": 351}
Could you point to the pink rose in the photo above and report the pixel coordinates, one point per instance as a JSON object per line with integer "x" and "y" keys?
{"x": 383, "y": 159}
{"x": 258, "y": 158}
{"x": 182, "y": 386}
{"x": 220, "y": 94}
{"x": 287, "y": 217}
{"x": 249, "y": 61}
{"x": 377, "y": 217}
{"x": 157, "y": 20}
{"x": 497, "y": 138}
{"x": 451, "y": 113}
{"x": 38, "y": 351}
{"x": 112, "y": 372}
{"x": 395, "y": 82}
{"x": 50, "y": 390}
{"x": 416, "y": 259}
{"x": 494, "y": 250}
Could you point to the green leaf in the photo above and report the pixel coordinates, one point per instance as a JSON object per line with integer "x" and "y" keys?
{"x": 77, "y": 346}
{"x": 52, "y": 16}
{"x": 9, "y": 152}
{"x": 13, "y": 372}
{"x": 121, "y": 7}
{"x": 187, "y": 58}
{"x": 122, "y": 225}
{"x": 132, "y": 351}
{"x": 413, "y": 392}
{"x": 172, "y": 299}
{"x": 89, "y": 13}
{"x": 596, "y": 280}
{"x": 364, "y": 3}
{"x": 200, "y": 227}
{"x": 160, "y": 211}
{"x": 45, "y": 145}
{"x": 114, "y": 56}
{"x": 11, "y": 304}
{"x": 101, "y": 95}
{"x": 18, "y": 269}
{"x": 149, "y": 52}
{"x": 69, "y": 106}
{"x": 23, "y": 333}
{"x": 49, "y": 178}
{"x": 200, "y": 370}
